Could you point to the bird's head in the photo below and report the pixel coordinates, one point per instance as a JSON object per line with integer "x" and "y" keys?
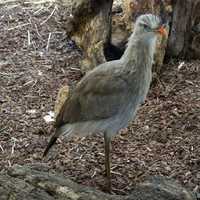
{"x": 143, "y": 39}
{"x": 149, "y": 25}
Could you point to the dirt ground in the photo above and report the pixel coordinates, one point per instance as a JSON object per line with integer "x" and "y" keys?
{"x": 37, "y": 58}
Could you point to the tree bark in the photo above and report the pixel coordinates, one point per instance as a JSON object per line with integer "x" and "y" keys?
{"x": 184, "y": 41}
{"x": 90, "y": 27}
{"x": 36, "y": 182}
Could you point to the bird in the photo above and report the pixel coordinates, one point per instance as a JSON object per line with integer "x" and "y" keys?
{"x": 107, "y": 98}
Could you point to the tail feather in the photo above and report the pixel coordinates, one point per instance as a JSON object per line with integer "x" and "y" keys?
{"x": 60, "y": 131}
{"x": 50, "y": 144}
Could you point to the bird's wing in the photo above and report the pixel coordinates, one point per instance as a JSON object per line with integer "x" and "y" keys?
{"x": 97, "y": 96}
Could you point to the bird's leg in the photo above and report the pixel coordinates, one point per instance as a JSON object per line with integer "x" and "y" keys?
{"x": 107, "y": 140}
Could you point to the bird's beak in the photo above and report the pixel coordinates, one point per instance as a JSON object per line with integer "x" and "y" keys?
{"x": 162, "y": 30}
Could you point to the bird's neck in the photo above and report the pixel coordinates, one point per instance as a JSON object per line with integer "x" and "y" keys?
{"x": 139, "y": 53}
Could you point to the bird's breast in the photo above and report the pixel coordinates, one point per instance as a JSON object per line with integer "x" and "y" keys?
{"x": 139, "y": 90}
{"x": 145, "y": 84}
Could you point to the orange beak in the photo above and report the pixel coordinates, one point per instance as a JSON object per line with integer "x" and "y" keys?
{"x": 162, "y": 31}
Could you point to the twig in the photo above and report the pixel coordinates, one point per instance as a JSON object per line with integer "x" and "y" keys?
{"x": 117, "y": 173}
{"x": 8, "y": 1}
{"x": 48, "y": 42}
{"x": 76, "y": 69}
{"x": 14, "y": 144}
{"x": 9, "y": 163}
{"x": 48, "y": 16}
{"x": 37, "y": 2}
{"x": 27, "y": 83}
{"x": 37, "y": 11}
{"x": 1, "y": 148}
{"x": 29, "y": 38}
{"x": 19, "y": 26}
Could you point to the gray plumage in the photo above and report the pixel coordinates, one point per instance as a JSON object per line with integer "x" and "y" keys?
{"x": 108, "y": 97}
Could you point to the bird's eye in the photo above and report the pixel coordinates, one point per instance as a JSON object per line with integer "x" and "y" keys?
{"x": 146, "y": 26}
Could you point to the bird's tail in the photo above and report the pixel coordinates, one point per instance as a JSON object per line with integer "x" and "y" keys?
{"x": 50, "y": 144}
{"x": 60, "y": 131}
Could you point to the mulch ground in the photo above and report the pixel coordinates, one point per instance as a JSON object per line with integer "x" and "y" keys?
{"x": 37, "y": 58}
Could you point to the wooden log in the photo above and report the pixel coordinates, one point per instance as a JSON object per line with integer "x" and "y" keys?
{"x": 36, "y": 182}
{"x": 183, "y": 41}
{"x": 90, "y": 27}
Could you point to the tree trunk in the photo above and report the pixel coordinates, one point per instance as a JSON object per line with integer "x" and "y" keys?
{"x": 184, "y": 39}
{"x": 90, "y": 28}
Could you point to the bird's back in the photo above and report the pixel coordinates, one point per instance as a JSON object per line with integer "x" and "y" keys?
{"x": 98, "y": 97}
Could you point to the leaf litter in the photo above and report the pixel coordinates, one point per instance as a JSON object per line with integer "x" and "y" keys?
{"x": 37, "y": 58}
